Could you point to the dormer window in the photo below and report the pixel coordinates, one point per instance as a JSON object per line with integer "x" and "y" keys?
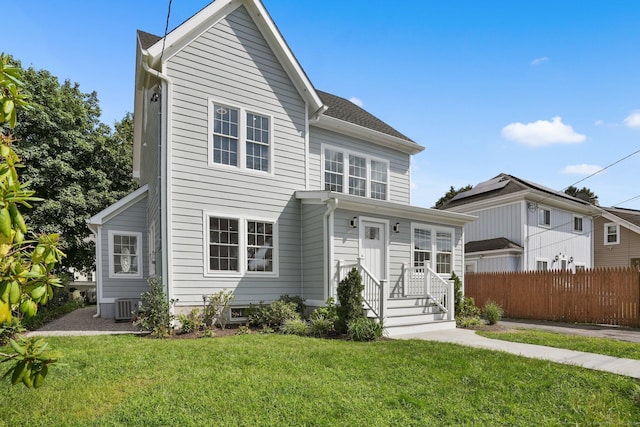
{"x": 241, "y": 138}
{"x": 361, "y": 176}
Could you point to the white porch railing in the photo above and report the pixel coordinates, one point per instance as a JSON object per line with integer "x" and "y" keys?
{"x": 375, "y": 291}
{"x": 423, "y": 281}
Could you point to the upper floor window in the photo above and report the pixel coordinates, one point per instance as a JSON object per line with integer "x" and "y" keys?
{"x": 361, "y": 176}
{"x": 544, "y": 217}
{"x": 125, "y": 249}
{"x": 577, "y": 224}
{"x": 611, "y": 234}
{"x": 241, "y": 138}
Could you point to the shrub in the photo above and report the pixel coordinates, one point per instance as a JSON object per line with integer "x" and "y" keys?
{"x": 273, "y": 315}
{"x": 215, "y": 311}
{"x": 458, "y": 298}
{"x": 295, "y": 327}
{"x": 350, "y": 298}
{"x": 301, "y": 307}
{"x": 155, "y": 314}
{"x": 321, "y": 327}
{"x": 364, "y": 329}
{"x": 9, "y": 330}
{"x": 243, "y": 330}
{"x": 468, "y": 322}
{"x": 492, "y": 312}
{"x": 192, "y": 322}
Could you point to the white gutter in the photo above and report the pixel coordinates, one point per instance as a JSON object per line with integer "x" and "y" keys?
{"x": 97, "y": 230}
{"x": 332, "y": 205}
{"x": 319, "y": 112}
{"x": 165, "y": 141}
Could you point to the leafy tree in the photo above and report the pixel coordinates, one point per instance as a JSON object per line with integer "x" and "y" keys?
{"x": 584, "y": 193}
{"x": 26, "y": 261}
{"x": 451, "y": 194}
{"x": 75, "y": 162}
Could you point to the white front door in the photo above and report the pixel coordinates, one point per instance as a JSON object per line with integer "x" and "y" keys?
{"x": 373, "y": 247}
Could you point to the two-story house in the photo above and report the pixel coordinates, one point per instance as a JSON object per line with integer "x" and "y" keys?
{"x": 523, "y": 226}
{"x": 254, "y": 181}
{"x": 617, "y": 238}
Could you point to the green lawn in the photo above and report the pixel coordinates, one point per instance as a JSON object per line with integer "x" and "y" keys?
{"x": 609, "y": 347}
{"x": 286, "y": 380}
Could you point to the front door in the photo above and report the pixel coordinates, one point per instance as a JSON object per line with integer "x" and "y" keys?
{"x": 373, "y": 247}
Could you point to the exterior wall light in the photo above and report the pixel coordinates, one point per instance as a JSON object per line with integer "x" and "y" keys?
{"x": 396, "y": 228}
{"x": 353, "y": 223}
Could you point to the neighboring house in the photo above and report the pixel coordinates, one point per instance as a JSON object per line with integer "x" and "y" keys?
{"x": 254, "y": 181}
{"x": 617, "y": 238}
{"x": 523, "y": 226}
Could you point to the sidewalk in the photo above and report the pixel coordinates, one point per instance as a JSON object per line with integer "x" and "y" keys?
{"x": 82, "y": 322}
{"x": 615, "y": 365}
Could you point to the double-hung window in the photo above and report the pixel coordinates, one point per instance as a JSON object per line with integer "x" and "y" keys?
{"x": 238, "y": 245}
{"x": 241, "y": 138}
{"x": 611, "y": 233}
{"x": 354, "y": 173}
{"x": 433, "y": 248}
{"x": 125, "y": 250}
{"x": 577, "y": 224}
{"x": 544, "y": 217}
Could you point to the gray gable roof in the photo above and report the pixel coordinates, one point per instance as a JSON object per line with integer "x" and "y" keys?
{"x": 490, "y": 245}
{"x": 501, "y": 185}
{"x": 630, "y": 215}
{"x": 147, "y": 40}
{"x": 343, "y": 109}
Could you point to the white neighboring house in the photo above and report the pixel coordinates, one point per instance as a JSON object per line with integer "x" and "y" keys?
{"x": 254, "y": 181}
{"x": 523, "y": 226}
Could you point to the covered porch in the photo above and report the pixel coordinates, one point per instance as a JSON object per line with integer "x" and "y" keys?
{"x": 405, "y": 255}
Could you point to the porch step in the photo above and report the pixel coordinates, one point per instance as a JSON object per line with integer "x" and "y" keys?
{"x": 400, "y": 330}
{"x": 409, "y": 302}
{"x": 412, "y": 319}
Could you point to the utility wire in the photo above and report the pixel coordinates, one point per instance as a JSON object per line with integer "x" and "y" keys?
{"x": 166, "y": 30}
{"x": 603, "y": 169}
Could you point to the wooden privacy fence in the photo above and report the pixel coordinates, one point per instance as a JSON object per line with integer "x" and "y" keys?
{"x": 604, "y": 296}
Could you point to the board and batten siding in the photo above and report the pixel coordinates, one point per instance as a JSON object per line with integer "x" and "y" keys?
{"x": 490, "y": 264}
{"x": 557, "y": 239}
{"x": 616, "y": 255}
{"x": 501, "y": 221}
{"x": 132, "y": 219}
{"x": 399, "y": 162}
{"x": 233, "y": 64}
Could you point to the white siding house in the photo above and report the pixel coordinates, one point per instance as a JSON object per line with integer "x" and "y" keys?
{"x": 256, "y": 182}
{"x": 523, "y": 226}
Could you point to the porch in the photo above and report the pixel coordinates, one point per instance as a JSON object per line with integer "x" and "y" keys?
{"x": 421, "y": 301}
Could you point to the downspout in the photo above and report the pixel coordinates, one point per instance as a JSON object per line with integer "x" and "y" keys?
{"x": 332, "y": 205}
{"x": 164, "y": 179}
{"x": 316, "y": 116}
{"x": 97, "y": 230}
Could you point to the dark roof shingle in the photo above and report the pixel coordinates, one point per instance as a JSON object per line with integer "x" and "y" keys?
{"x": 490, "y": 245}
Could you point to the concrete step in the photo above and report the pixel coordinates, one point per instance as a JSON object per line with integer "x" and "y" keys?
{"x": 413, "y": 319}
{"x": 441, "y": 325}
{"x": 408, "y": 302}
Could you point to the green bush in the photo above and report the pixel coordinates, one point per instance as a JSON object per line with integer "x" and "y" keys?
{"x": 468, "y": 322}
{"x": 321, "y": 327}
{"x": 295, "y": 327}
{"x": 492, "y": 312}
{"x": 364, "y": 329}
{"x": 273, "y": 315}
{"x": 350, "y": 298}
{"x": 9, "y": 330}
{"x": 155, "y": 314}
{"x": 192, "y": 322}
{"x": 215, "y": 312}
{"x": 301, "y": 307}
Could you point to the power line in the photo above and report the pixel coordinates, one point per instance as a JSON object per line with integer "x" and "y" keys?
{"x": 603, "y": 169}
{"x": 166, "y": 30}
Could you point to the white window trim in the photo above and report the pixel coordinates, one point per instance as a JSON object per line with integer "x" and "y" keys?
{"x": 139, "y": 254}
{"x": 345, "y": 169}
{"x": 573, "y": 226}
{"x": 242, "y": 246}
{"x": 543, "y": 208}
{"x": 542, "y": 260}
{"x": 242, "y": 136}
{"x": 434, "y": 254}
{"x": 609, "y": 224}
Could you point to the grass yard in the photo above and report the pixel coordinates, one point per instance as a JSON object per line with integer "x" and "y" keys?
{"x": 609, "y": 347}
{"x": 268, "y": 380}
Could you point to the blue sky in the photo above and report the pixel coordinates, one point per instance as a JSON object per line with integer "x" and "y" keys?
{"x": 548, "y": 91}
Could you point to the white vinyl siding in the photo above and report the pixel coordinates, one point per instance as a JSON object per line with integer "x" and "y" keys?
{"x": 365, "y": 176}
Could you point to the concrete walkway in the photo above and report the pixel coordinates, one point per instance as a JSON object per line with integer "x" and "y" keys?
{"x": 616, "y": 365}
{"x": 82, "y": 322}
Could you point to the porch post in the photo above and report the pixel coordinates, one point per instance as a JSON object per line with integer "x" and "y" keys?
{"x": 404, "y": 279}
{"x": 451, "y": 315}
{"x": 384, "y": 294}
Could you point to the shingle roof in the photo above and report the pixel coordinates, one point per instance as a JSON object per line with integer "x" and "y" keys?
{"x": 490, "y": 245}
{"x": 343, "y": 109}
{"x": 630, "y": 215}
{"x": 501, "y": 185}
{"x": 147, "y": 40}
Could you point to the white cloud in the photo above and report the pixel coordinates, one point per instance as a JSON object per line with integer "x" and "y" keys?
{"x": 633, "y": 120}
{"x": 356, "y": 101}
{"x": 583, "y": 169}
{"x": 599, "y": 122}
{"x": 542, "y": 132}
{"x": 539, "y": 61}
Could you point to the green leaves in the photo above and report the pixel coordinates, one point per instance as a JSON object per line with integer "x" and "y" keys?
{"x": 10, "y": 97}
{"x": 32, "y": 359}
